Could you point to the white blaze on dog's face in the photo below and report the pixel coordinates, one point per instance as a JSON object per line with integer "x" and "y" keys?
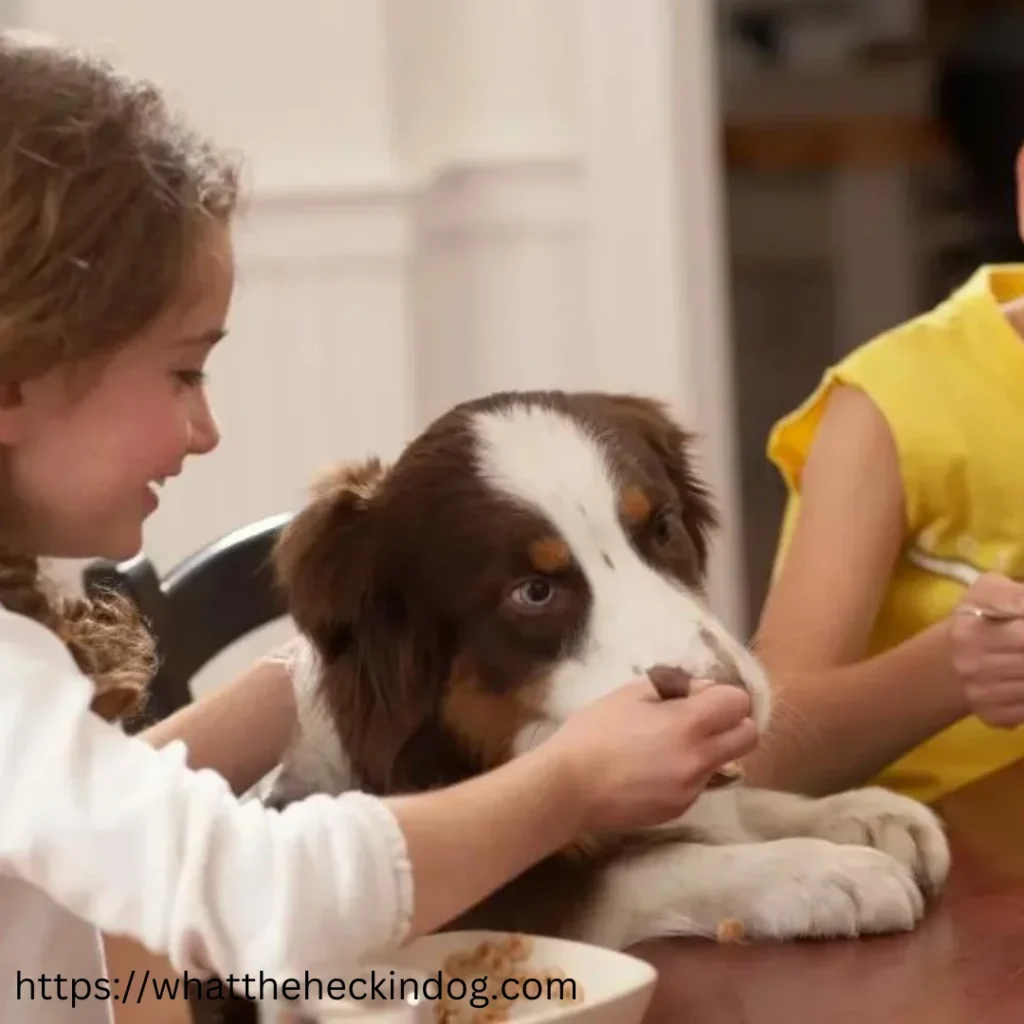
{"x": 640, "y": 615}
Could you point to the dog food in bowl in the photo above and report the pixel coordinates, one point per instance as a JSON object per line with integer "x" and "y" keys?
{"x": 499, "y": 962}
{"x": 487, "y": 977}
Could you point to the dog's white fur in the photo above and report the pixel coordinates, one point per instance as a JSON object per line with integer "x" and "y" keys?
{"x": 547, "y": 462}
{"x": 781, "y": 865}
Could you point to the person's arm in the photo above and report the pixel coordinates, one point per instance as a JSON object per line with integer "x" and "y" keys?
{"x": 629, "y": 760}
{"x": 840, "y": 717}
{"x": 458, "y": 826}
{"x": 240, "y": 730}
{"x": 130, "y": 839}
{"x": 453, "y": 827}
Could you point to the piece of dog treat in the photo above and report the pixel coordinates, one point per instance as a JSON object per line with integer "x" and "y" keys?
{"x": 671, "y": 682}
{"x": 731, "y": 930}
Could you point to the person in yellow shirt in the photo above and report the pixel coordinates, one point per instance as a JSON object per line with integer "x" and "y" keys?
{"x": 904, "y": 524}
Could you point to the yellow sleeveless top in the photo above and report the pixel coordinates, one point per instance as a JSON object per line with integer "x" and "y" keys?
{"x": 950, "y": 384}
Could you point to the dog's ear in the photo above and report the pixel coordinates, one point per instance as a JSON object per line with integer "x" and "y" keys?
{"x": 324, "y": 556}
{"x": 383, "y": 659}
{"x": 674, "y": 447}
{"x": 385, "y": 694}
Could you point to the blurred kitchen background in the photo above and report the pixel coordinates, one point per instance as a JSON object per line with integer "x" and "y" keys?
{"x": 705, "y": 200}
{"x": 869, "y": 150}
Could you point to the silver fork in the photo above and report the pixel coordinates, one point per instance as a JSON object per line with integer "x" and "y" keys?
{"x": 961, "y": 572}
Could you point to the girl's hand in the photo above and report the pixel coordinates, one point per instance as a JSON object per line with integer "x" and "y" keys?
{"x": 639, "y": 761}
{"x": 988, "y": 654}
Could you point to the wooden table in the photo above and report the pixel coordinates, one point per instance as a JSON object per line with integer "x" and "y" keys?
{"x": 964, "y": 965}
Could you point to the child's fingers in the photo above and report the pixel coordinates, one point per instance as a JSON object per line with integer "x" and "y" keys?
{"x": 998, "y": 637}
{"x": 714, "y": 710}
{"x": 997, "y": 667}
{"x": 730, "y": 745}
{"x": 1002, "y": 716}
{"x": 1001, "y": 591}
{"x": 1003, "y": 699}
{"x": 708, "y": 712}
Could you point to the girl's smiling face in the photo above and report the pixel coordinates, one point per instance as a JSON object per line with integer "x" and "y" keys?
{"x": 88, "y": 448}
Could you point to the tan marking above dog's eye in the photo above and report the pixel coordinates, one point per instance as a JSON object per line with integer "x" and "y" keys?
{"x": 634, "y": 506}
{"x": 550, "y": 555}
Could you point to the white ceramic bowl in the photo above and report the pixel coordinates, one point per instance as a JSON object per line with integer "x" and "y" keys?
{"x": 616, "y": 988}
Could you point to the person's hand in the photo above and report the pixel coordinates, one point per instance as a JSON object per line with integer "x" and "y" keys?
{"x": 988, "y": 654}
{"x": 639, "y": 761}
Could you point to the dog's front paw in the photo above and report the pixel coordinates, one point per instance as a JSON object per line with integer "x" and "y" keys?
{"x": 894, "y": 824}
{"x": 811, "y": 888}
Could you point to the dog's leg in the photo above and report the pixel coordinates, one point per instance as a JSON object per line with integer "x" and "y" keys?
{"x": 787, "y": 889}
{"x": 315, "y": 761}
{"x": 903, "y": 828}
{"x": 896, "y": 825}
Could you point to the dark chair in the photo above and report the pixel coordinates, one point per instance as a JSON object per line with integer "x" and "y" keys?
{"x": 202, "y": 606}
{"x": 978, "y": 95}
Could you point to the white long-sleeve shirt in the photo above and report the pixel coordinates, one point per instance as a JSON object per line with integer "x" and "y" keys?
{"x": 99, "y": 831}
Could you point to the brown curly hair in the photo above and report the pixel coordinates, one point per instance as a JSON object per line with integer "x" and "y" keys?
{"x": 105, "y": 196}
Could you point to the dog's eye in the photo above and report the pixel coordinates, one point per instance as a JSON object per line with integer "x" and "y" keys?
{"x": 661, "y": 529}
{"x": 533, "y": 594}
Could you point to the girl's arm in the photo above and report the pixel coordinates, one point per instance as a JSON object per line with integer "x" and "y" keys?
{"x": 840, "y": 717}
{"x": 130, "y": 839}
{"x": 241, "y": 729}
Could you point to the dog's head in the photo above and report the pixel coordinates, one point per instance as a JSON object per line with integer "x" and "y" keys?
{"x": 526, "y": 554}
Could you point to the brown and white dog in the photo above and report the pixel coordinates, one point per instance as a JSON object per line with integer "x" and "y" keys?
{"x": 527, "y": 553}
